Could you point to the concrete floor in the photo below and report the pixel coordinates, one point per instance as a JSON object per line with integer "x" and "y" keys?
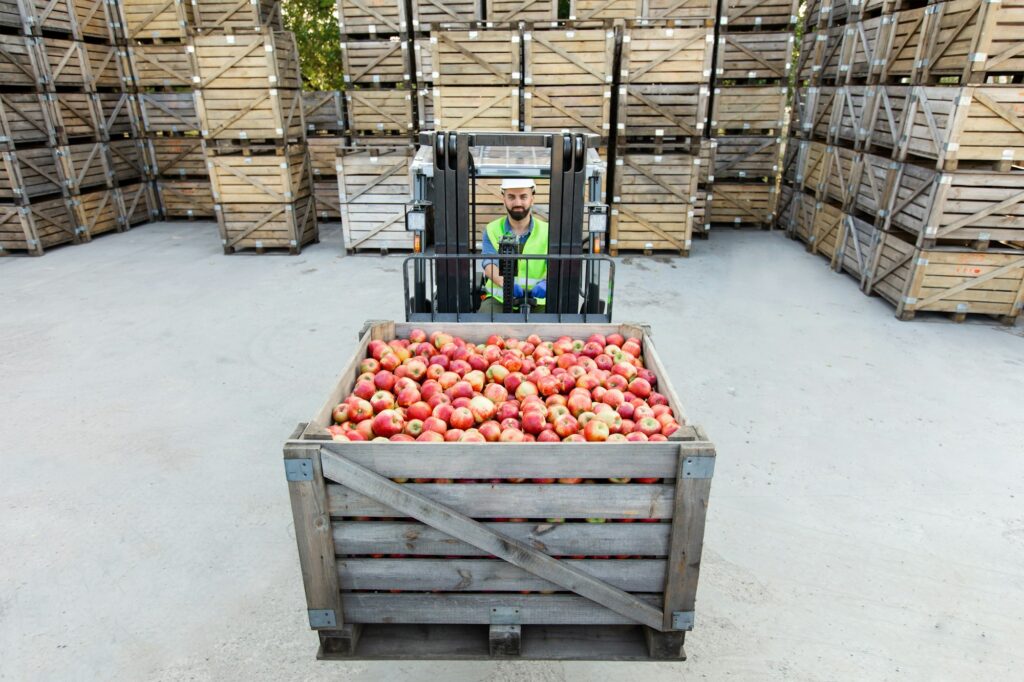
{"x": 866, "y": 520}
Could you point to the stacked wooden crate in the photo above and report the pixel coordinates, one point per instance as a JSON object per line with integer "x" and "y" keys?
{"x": 753, "y": 59}
{"x": 249, "y": 100}
{"x": 371, "y": 165}
{"x": 665, "y": 68}
{"x": 161, "y": 69}
{"x": 324, "y": 114}
{"x": 905, "y": 169}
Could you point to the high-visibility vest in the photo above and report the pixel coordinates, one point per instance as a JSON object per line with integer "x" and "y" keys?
{"x": 533, "y": 270}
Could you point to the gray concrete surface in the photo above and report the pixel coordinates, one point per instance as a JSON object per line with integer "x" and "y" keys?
{"x": 866, "y": 521}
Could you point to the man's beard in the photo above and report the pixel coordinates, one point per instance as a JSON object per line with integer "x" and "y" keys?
{"x": 518, "y": 213}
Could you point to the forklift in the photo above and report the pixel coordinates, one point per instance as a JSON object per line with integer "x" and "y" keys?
{"x": 442, "y": 280}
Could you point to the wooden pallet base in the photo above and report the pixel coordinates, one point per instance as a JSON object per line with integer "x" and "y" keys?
{"x": 480, "y": 642}
{"x": 259, "y": 251}
{"x": 616, "y": 252}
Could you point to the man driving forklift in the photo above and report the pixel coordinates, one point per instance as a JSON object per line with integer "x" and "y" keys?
{"x": 531, "y": 235}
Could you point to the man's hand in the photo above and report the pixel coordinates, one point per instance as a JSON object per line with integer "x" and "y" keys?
{"x": 540, "y": 290}
{"x": 517, "y": 290}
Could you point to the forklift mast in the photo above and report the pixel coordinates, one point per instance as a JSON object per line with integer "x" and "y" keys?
{"x": 443, "y": 214}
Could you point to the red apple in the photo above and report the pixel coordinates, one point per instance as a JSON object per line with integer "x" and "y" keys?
{"x": 434, "y": 372}
{"x": 611, "y": 419}
{"x": 628, "y": 426}
{"x": 548, "y": 437}
{"x": 369, "y": 365}
{"x": 508, "y": 409}
{"x": 534, "y": 421}
{"x": 510, "y": 423}
{"x": 435, "y": 424}
{"x": 490, "y": 430}
{"x": 472, "y": 436}
{"x": 615, "y": 339}
{"x": 376, "y": 347}
{"x": 419, "y": 410}
{"x": 461, "y": 418}
{"x": 642, "y": 412}
{"x": 566, "y": 425}
{"x": 511, "y": 436}
{"x": 636, "y": 437}
{"x": 556, "y": 411}
{"x": 417, "y": 336}
{"x": 512, "y": 381}
{"x": 407, "y": 397}
{"x": 460, "y": 367}
{"x": 384, "y": 380}
{"x": 364, "y": 389}
{"x": 460, "y": 402}
{"x": 632, "y": 347}
{"x": 624, "y": 369}
{"x": 660, "y": 410}
{"x": 604, "y": 361}
{"x": 340, "y": 413}
{"x": 574, "y": 438}
{"x": 448, "y": 380}
{"x": 430, "y": 437}
{"x": 476, "y": 380}
{"x": 444, "y": 412}
{"x": 579, "y": 403}
{"x": 482, "y": 408}
{"x": 640, "y": 387}
{"x": 390, "y": 361}
{"x": 453, "y": 435}
{"x": 497, "y": 373}
{"x": 596, "y": 431}
{"x": 657, "y": 437}
{"x": 656, "y": 399}
{"x": 625, "y": 410}
{"x": 387, "y": 423}
{"x": 496, "y": 393}
{"x": 359, "y": 410}
{"x": 618, "y": 438}
{"x": 416, "y": 369}
{"x": 648, "y": 426}
{"x": 592, "y": 349}
{"x": 401, "y": 438}
{"x": 382, "y": 400}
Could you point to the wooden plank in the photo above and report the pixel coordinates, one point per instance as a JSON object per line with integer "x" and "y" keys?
{"x": 252, "y": 114}
{"x": 323, "y": 111}
{"x": 555, "y": 539}
{"x": 379, "y": 111}
{"x": 680, "y": 9}
{"x": 524, "y": 500}
{"x": 266, "y": 174}
{"x": 373, "y": 63}
{"x": 666, "y": 55}
{"x": 559, "y": 57}
{"x": 758, "y": 13}
{"x": 371, "y": 17}
{"x": 191, "y": 198}
{"x": 137, "y": 204}
{"x": 485, "y": 575}
{"x": 155, "y": 19}
{"x": 754, "y": 110}
{"x": 172, "y": 112}
{"x": 664, "y": 110}
{"x": 270, "y": 59}
{"x": 267, "y": 226}
{"x": 605, "y": 9}
{"x": 160, "y": 65}
{"x": 534, "y": 609}
{"x": 430, "y": 15}
{"x": 233, "y": 16}
{"x": 476, "y": 58}
{"x": 25, "y": 119}
{"x": 483, "y": 108}
{"x": 760, "y": 55}
{"x": 577, "y": 108}
{"x": 521, "y": 10}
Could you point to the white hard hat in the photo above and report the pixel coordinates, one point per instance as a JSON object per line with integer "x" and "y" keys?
{"x": 517, "y": 183}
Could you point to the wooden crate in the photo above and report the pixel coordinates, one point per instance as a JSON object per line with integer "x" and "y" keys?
{"x": 699, "y": 224}
{"x": 425, "y": 112}
{"x": 754, "y": 55}
{"x": 706, "y": 161}
{"x": 579, "y": 108}
{"x": 11, "y": 17}
{"x": 25, "y": 120}
{"x": 371, "y": 17}
{"x": 662, "y": 56}
{"x": 751, "y": 109}
{"x": 375, "y": 175}
{"x": 794, "y": 162}
{"x": 30, "y": 173}
{"x": 379, "y": 111}
{"x": 262, "y": 175}
{"x": 680, "y": 9}
{"x": 266, "y": 59}
{"x": 787, "y": 206}
{"x": 177, "y": 156}
{"x": 888, "y": 110}
{"x": 260, "y": 227}
{"x": 827, "y": 229}
{"x": 741, "y": 204}
{"x": 746, "y": 158}
{"x": 947, "y": 279}
{"x": 583, "y": 10}
{"x": 570, "y": 56}
{"x": 491, "y": 108}
{"x": 96, "y": 212}
{"x": 19, "y": 63}
{"x": 118, "y": 115}
{"x": 79, "y": 19}
{"x": 35, "y": 227}
{"x": 869, "y": 186}
{"x": 856, "y": 247}
{"x": 80, "y": 65}
{"x": 156, "y": 19}
{"x": 482, "y": 58}
{"x": 253, "y": 114}
{"x": 374, "y": 227}
{"x": 902, "y": 59}
{"x": 978, "y": 207}
{"x": 431, "y": 15}
{"x": 375, "y": 62}
{"x": 352, "y": 481}
{"x": 56, "y": 16}
{"x": 502, "y": 11}
{"x": 758, "y": 14}
{"x": 805, "y": 111}
{"x": 128, "y": 160}
{"x": 168, "y": 112}
{"x": 324, "y": 111}
{"x": 972, "y": 40}
{"x": 323, "y": 155}
{"x": 837, "y": 171}
{"x": 423, "y": 60}
{"x": 185, "y": 198}
{"x": 652, "y": 202}
{"x": 325, "y": 196}
{"x": 953, "y": 125}
{"x": 824, "y": 57}
{"x": 161, "y": 66}
{"x": 868, "y": 49}
{"x": 800, "y": 214}
{"x": 231, "y": 16}
{"x": 84, "y": 166}
{"x": 678, "y": 111}
{"x": 812, "y": 172}
{"x": 137, "y": 204}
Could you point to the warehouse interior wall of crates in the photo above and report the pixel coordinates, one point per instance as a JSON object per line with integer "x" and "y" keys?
{"x": 889, "y": 139}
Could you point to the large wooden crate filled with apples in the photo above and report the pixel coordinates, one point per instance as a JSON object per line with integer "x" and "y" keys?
{"x": 489, "y": 490}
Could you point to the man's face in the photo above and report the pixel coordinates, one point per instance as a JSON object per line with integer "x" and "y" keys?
{"x": 518, "y": 202}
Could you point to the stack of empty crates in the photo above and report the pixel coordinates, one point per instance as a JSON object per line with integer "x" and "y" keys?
{"x": 74, "y": 167}
{"x": 665, "y": 67}
{"x": 156, "y": 43}
{"x": 753, "y": 59}
{"x": 249, "y": 101}
{"x": 324, "y": 114}
{"x": 372, "y": 163}
{"x": 905, "y": 170}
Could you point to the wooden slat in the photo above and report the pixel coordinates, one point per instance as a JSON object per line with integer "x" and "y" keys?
{"x": 556, "y": 539}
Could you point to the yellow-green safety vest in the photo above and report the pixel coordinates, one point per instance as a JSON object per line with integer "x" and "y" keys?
{"x": 532, "y": 271}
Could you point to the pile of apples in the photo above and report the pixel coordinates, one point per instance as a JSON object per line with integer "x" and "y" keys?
{"x": 443, "y": 388}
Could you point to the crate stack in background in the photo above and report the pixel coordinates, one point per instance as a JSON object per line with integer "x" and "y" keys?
{"x": 324, "y": 114}
{"x": 72, "y": 157}
{"x": 905, "y": 166}
{"x": 663, "y": 98}
{"x": 753, "y": 60}
{"x": 249, "y": 100}
{"x": 161, "y": 72}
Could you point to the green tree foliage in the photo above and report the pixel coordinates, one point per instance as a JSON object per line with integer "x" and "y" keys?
{"x": 316, "y": 33}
